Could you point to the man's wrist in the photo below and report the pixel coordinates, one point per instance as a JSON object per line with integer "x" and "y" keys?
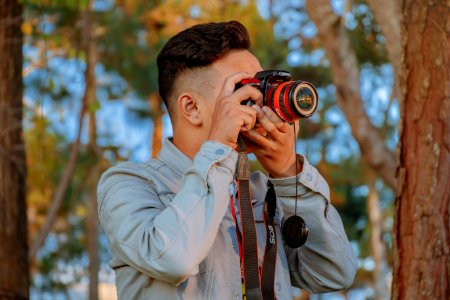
{"x": 223, "y": 142}
{"x": 295, "y": 168}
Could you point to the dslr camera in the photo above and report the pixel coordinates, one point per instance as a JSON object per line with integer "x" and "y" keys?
{"x": 290, "y": 100}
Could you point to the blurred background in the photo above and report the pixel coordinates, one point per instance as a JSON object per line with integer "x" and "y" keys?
{"x": 91, "y": 100}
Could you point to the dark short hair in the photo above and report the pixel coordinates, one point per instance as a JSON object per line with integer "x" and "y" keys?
{"x": 196, "y": 47}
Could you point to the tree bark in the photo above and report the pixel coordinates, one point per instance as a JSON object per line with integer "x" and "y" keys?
{"x": 92, "y": 225}
{"x": 377, "y": 247}
{"x": 92, "y": 233}
{"x": 345, "y": 71}
{"x": 157, "y": 115}
{"x": 14, "y": 272}
{"x": 388, "y": 16}
{"x": 422, "y": 221}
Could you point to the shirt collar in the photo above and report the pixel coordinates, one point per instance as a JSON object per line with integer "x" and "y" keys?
{"x": 174, "y": 158}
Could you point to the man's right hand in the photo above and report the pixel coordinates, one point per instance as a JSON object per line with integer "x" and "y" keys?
{"x": 230, "y": 117}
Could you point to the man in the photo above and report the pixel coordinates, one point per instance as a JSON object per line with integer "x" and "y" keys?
{"x": 170, "y": 220}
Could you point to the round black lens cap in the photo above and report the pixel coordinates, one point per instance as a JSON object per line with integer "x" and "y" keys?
{"x": 295, "y": 231}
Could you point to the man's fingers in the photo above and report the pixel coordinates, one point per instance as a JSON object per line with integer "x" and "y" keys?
{"x": 266, "y": 123}
{"x": 247, "y": 93}
{"x": 248, "y": 117}
{"x": 230, "y": 83}
{"x": 257, "y": 139}
{"x": 241, "y": 94}
{"x": 271, "y": 117}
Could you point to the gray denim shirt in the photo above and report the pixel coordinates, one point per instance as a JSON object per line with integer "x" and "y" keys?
{"x": 172, "y": 234}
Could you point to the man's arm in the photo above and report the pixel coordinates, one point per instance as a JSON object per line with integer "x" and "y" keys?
{"x": 167, "y": 243}
{"x": 326, "y": 261}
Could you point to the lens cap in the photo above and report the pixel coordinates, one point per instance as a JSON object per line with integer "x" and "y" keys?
{"x": 295, "y": 231}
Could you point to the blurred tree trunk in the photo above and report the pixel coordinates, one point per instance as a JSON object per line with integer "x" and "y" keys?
{"x": 14, "y": 273}
{"x": 92, "y": 232}
{"x": 377, "y": 247}
{"x": 345, "y": 71}
{"x": 422, "y": 223}
{"x": 89, "y": 47}
{"x": 65, "y": 180}
{"x": 388, "y": 16}
{"x": 60, "y": 190}
{"x": 157, "y": 115}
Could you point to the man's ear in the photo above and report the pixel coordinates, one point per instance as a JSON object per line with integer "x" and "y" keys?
{"x": 189, "y": 109}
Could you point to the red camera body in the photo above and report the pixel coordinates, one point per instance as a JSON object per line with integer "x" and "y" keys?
{"x": 291, "y": 100}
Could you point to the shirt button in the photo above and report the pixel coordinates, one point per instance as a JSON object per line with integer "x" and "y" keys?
{"x": 220, "y": 151}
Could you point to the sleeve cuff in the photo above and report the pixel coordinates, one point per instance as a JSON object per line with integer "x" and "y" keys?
{"x": 216, "y": 153}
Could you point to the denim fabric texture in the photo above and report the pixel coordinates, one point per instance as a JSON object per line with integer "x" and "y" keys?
{"x": 172, "y": 234}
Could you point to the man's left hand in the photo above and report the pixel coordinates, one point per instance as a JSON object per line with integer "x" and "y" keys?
{"x": 273, "y": 142}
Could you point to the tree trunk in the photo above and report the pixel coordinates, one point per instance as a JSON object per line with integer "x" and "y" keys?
{"x": 90, "y": 94}
{"x": 14, "y": 273}
{"x": 60, "y": 191}
{"x": 157, "y": 115}
{"x": 388, "y": 16}
{"x": 422, "y": 228}
{"x": 92, "y": 233}
{"x": 377, "y": 247}
{"x": 345, "y": 71}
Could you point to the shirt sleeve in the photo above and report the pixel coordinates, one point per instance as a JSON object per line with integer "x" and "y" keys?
{"x": 167, "y": 242}
{"x": 326, "y": 262}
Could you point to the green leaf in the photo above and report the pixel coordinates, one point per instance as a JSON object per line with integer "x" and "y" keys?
{"x": 94, "y": 106}
{"x": 51, "y": 84}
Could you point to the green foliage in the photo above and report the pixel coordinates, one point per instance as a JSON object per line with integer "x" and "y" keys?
{"x": 94, "y": 106}
{"x": 72, "y": 4}
{"x": 44, "y": 162}
{"x": 124, "y": 49}
{"x": 66, "y": 246}
{"x": 366, "y": 36}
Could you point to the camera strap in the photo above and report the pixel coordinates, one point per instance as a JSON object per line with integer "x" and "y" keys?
{"x": 248, "y": 228}
{"x": 270, "y": 254}
{"x": 258, "y": 285}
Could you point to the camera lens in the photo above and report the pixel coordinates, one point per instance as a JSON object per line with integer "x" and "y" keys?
{"x": 304, "y": 98}
{"x": 292, "y": 100}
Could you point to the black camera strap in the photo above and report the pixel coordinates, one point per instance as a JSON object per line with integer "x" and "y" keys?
{"x": 258, "y": 285}
{"x": 249, "y": 237}
{"x": 270, "y": 254}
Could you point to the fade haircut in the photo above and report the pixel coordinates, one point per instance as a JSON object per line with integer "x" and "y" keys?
{"x": 197, "y": 47}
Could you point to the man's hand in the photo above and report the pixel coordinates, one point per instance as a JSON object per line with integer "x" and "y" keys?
{"x": 230, "y": 117}
{"x": 273, "y": 143}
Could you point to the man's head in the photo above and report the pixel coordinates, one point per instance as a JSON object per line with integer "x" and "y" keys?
{"x": 195, "y": 48}
{"x": 192, "y": 69}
